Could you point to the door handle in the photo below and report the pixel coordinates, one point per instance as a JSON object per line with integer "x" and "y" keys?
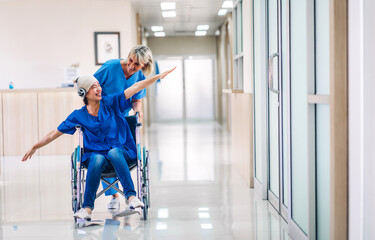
{"x": 270, "y": 73}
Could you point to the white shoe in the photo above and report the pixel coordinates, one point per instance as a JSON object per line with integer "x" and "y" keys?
{"x": 82, "y": 214}
{"x": 135, "y": 203}
{"x": 114, "y": 203}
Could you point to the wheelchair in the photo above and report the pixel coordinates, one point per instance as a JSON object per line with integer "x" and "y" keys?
{"x": 78, "y": 170}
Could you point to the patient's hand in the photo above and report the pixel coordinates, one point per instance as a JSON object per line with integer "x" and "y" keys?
{"x": 164, "y": 74}
{"x": 29, "y": 154}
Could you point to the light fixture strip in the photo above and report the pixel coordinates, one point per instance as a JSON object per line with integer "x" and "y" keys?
{"x": 157, "y": 28}
{"x": 203, "y": 27}
{"x": 222, "y": 12}
{"x": 227, "y": 4}
{"x": 168, "y": 5}
{"x": 168, "y": 14}
{"x": 200, "y": 33}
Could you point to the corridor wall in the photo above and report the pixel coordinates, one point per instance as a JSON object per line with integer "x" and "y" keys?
{"x": 241, "y": 101}
{"x": 40, "y": 38}
{"x": 28, "y": 115}
{"x": 1, "y": 127}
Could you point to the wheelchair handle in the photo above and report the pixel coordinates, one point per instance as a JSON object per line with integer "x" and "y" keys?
{"x": 137, "y": 117}
{"x": 80, "y": 137}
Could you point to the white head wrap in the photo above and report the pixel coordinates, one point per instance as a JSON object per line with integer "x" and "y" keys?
{"x": 85, "y": 82}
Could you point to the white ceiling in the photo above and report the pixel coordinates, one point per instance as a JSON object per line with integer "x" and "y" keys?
{"x": 190, "y": 13}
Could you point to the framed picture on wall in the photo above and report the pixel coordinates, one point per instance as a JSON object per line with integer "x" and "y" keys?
{"x": 107, "y": 46}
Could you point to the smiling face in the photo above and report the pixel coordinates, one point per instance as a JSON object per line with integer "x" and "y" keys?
{"x": 132, "y": 66}
{"x": 95, "y": 92}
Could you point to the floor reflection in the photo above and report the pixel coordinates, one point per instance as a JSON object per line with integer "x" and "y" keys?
{"x": 195, "y": 194}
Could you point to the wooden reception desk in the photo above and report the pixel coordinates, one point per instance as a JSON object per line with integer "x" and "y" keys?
{"x": 28, "y": 115}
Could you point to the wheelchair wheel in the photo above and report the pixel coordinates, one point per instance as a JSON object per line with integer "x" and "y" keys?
{"x": 74, "y": 182}
{"x": 145, "y": 208}
{"x": 148, "y": 181}
{"x": 76, "y": 205}
{"x": 146, "y": 175}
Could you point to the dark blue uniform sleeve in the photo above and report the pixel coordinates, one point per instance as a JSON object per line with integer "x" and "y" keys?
{"x": 69, "y": 125}
{"x": 118, "y": 102}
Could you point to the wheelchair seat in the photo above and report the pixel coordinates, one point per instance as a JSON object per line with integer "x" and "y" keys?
{"x": 112, "y": 173}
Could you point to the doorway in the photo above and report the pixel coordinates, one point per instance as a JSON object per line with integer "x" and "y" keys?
{"x": 188, "y": 94}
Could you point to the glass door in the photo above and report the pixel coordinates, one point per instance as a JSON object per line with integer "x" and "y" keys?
{"x": 291, "y": 84}
{"x": 273, "y": 104}
{"x": 189, "y": 93}
{"x": 277, "y": 105}
{"x": 199, "y": 85}
{"x": 169, "y": 95}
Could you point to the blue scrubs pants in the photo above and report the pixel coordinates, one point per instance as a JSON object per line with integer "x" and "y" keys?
{"x": 116, "y": 159}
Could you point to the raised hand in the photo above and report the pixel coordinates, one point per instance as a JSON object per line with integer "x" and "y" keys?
{"x": 164, "y": 74}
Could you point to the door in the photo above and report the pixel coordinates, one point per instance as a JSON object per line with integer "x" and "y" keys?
{"x": 170, "y": 88}
{"x": 273, "y": 104}
{"x": 189, "y": 93}
{"x": 277, "y": 102}
{"x": 199, "y": 87}
{"x": 291, "y": 85}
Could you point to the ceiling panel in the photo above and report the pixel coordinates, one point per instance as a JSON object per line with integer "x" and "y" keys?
{"x": 190, "y": 13}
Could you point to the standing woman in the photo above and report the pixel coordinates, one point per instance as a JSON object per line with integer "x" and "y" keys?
{"x": 117, "y": 75}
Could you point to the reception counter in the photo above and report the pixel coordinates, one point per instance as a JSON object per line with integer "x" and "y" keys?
{"x": 28, "y": 115}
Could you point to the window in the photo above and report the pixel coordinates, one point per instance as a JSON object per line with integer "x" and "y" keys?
{"x": 238, "y": 46}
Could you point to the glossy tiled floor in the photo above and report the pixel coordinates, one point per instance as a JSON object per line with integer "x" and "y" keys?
{"x": 196, "y": 194}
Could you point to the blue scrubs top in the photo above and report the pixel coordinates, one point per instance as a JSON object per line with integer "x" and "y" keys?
{"x": 106, "y": 131}
{"x": 112, "y": 80}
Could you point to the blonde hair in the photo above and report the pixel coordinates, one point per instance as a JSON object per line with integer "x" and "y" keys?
{"x": 143, "y": 55}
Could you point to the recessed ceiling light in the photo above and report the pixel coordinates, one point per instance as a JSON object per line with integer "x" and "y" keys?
{"x": 203, "y": 27}
{"x": 227, "y": 4}
{"x": 217, "y": 33}
{"x": 200, "y": 33}
{"x": 159, "y": 34}
{"x": 168, "y": 5}
{"x": 168, "y": 14}
{"x": 157, "y": 28}
{"x": 222, "y": 12}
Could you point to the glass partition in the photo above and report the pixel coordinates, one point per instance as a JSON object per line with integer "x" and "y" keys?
{"x": 299, "y": 114}
{"x": 322, "y": 119}
{"x": 258, "y": 88}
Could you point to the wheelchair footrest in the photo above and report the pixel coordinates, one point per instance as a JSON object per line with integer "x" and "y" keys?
{"x": 126, "y": 212}
{"x": 81, "y": 223}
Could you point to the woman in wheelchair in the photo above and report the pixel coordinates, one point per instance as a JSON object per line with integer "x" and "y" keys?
{"x": 108, "y": 142}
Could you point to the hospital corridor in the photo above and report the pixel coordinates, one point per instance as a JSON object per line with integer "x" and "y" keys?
{"x": 195, "y": 194}
{"x": 187, "y": 119}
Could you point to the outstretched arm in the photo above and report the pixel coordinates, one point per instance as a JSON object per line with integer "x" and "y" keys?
{"x": 46, "y": 140}
{"x": 138, "y": 86}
